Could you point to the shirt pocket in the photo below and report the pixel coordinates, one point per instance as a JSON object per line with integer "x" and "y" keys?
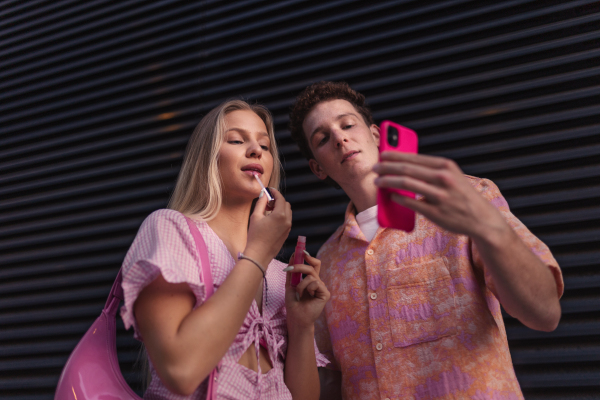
{"x": 421, "y": 303}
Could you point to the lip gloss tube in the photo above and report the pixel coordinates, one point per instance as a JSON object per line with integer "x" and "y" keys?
{"x": 298, "y": 259}
{"x": 271, "y": 202}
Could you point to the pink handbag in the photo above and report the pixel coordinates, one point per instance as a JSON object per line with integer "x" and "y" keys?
{"x": 92, "y": 371}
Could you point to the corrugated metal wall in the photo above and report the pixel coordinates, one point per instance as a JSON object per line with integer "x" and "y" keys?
{"x": 99, "y": 97}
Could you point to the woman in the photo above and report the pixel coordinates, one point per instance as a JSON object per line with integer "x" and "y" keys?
{"x": 261, "y": 337}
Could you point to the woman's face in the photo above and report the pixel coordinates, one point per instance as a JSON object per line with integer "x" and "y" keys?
{"x": 245, "y": 150}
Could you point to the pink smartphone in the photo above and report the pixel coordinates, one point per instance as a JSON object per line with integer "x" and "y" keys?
{"x": 390, "y": 214}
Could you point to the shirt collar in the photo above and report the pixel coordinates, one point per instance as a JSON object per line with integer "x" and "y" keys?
{"x": 351, "y": 227}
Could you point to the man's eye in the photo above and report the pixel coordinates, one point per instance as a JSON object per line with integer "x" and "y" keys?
{"x": 348, "y": 126}
{"x": 323, "y": 141}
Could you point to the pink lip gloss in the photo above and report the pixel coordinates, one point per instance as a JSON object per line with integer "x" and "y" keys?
{"x": 298, "y": 259}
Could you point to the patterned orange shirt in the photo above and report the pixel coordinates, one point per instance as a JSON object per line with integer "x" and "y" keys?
{"x": 414, "y": 315}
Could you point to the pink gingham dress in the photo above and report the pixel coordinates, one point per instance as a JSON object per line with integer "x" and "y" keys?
{"x": 164, "y": 245}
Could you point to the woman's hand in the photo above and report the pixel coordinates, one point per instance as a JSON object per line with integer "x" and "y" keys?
{"x": 267, "y": 233}
{"x": 304, "y": 303}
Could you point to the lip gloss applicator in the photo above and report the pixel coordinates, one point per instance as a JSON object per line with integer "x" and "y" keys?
{"x": 271, "y": 202}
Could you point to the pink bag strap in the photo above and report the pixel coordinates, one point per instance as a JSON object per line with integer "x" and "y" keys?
{"x": 211, "y": 391}
{"x": 204, "y": 263}
{"x": 114, "y": 297}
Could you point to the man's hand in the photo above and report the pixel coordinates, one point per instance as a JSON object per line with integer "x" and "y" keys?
{"x": 523, "y": 284}
{"x": 448, "y": 200}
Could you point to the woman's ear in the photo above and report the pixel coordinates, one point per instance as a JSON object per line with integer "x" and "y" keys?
{"x": 316, "y": 169}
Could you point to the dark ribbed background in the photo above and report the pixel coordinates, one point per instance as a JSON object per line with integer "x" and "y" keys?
{"x": 99, "y": 97}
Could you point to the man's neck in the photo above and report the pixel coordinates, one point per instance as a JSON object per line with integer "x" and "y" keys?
{"x": 362, "y": 193}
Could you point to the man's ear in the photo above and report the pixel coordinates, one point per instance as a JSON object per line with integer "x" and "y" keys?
{"x": 376, "y": 134}
{"x": 316, "y": 169}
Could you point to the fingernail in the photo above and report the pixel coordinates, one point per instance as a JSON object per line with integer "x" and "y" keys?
{"x": 261, "y": 194}
{"x": 288, "y": 268}
{"x": 297, "y": 297}
{"x": 306, "y": 252}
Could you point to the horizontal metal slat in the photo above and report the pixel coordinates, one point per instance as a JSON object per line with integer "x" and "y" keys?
{"x": 539, "y": 159}
{"x": 580, "y": 305}
{"x": 555, "y": 355}
{"x": 157, "y": 191}
{"x": 36, "y": 10}
{"x": 100, "y": 86}
{"x": 501, "y": 108}
{"x": 107, "y": 158}
{"x": 35, "y": 284}
{"x": 115, "y": 51}
{"x": 487, "y": 93}
{"x": 271, "y": 76}
{"x": 64, "y": 37}
{"x": 81, "y": 219}
{"x": 582, "y": 282}
{"x": 565, "y": 329}
{"x": 45, "y": 331}
{"x": 578, "y": 259}
{"x": 550, "y": 177}
{"x": 30, "y": 383}
{"x": 521, "y": 123}
{"x": 524, "y": 142}
{"x": 562, "y": 379}
{"x": 54, "y": 314}
{"x": 209, "y": 78}
{"x": 61, "y": 266}
{"x": 561, "y": 217}
{"x": 68, "y": 250}
{"x": 564, "y": 238}
{"x": 46, "y": 299}
{"x": 554, "y": 197}
{"x": 69, "y": 235}
{"x": 83, "y": 189}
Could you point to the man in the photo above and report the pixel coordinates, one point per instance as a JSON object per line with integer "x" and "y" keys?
{"x": 417, "y": 315}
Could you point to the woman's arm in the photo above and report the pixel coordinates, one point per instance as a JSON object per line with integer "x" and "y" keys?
{"x": 185, "y": 344}
{"x": 301, "y": 375}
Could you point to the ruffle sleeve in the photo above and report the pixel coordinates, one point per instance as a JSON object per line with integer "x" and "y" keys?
{"x": 163, "y": 245}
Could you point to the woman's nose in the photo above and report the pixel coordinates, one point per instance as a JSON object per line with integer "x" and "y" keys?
{"x": 254, "y": 150}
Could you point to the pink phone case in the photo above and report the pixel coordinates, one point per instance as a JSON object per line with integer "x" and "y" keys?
{"x": 389, "y": 213}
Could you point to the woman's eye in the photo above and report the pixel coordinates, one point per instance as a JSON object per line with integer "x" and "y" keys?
{"x": 236, "y": 142}
{"x": 266, "y": 148}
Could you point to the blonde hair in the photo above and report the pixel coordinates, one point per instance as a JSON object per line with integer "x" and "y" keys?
{"x": 198, "y": 189}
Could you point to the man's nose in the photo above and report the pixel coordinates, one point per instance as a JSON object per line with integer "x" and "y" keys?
{"x": 339, "y": 137}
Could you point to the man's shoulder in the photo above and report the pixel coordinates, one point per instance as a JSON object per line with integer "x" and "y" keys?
{"x": 331, "y": 243}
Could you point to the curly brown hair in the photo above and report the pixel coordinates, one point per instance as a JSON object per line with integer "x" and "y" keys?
{"x": 317, "y": 93}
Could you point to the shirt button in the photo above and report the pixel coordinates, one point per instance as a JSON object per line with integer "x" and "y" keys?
{"x": 379, "y": 346}
{"x": 370, "y": 252}
{"x": 373, "y": 296}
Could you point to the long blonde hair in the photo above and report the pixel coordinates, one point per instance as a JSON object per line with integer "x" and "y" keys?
{"x": 199, "y": 185}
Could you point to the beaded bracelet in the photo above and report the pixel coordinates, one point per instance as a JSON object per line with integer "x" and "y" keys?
{"x": 241, "y": 256}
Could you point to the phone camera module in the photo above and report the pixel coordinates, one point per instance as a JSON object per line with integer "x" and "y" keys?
{"x": 392, "y": 136}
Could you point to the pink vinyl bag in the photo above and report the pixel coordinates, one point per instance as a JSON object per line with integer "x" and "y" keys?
{"x": 92, "y": 371}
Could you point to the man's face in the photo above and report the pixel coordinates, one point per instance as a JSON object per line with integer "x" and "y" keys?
{"x": 344, "y": 146}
